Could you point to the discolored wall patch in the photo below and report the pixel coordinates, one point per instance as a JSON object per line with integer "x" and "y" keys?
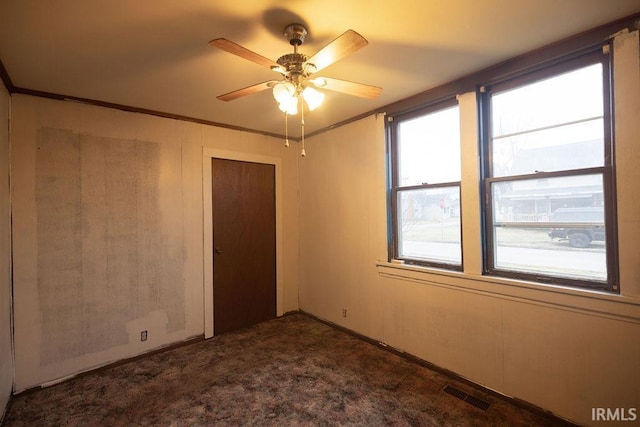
{"x": 110, "y": 244}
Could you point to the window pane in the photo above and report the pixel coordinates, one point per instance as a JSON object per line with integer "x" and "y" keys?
{"x": 429, "y": 148}
{"x": 551, "y": 125}
{"x": 429, "y": 224}
{"x": 551, "y": 226}
{"x": 565, "y": 98}
{"x": 575, "y": 146}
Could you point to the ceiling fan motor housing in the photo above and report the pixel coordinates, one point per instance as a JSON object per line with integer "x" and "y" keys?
{"x": 293, "y": 62}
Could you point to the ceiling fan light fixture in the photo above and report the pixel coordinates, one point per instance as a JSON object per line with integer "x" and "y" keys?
{"x": 284, "y": 91}
{"x": 312, "y": 97}
{"x": 289, "y": 106}
{"x": 286, "y": 95}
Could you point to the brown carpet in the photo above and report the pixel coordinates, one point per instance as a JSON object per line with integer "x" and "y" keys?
{"x": 289, "y": 371}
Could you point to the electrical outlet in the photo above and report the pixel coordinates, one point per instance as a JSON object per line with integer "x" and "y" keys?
{"x": 344, "y": 312}
{"x": 143, "y": 336}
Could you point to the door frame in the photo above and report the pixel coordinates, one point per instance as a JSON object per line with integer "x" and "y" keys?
{"x": 207, "y": 155}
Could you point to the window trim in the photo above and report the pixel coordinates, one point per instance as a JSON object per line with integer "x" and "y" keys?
{"x": 602, "y": 55}
{"x": 395, "y": 189}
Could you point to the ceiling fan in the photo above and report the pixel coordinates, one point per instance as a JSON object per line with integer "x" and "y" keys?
{"x": 297, "y": 69}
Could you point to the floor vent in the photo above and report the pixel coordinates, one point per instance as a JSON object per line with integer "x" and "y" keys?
{"x": 477, "y": 402}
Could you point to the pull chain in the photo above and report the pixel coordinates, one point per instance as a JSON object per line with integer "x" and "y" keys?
{"x": 303, "y": 153}
{"x": 286, "y": 129}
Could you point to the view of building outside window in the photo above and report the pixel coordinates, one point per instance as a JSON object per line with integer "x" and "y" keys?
{"x": 547, "y": 160}
{"x": 428, "y": 198}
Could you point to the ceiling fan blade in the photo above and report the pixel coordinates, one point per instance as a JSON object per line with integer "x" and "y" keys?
{"x": 247, "y": 91}
{"x": 245, "y": 53}
{"x": 350, "y": 88}
{"x": 345, "y": 44}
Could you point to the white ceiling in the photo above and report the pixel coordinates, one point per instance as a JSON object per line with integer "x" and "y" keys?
{"x": 152, "y": 54}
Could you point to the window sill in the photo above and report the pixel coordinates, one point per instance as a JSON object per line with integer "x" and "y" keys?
{"x": 613, "y": 306}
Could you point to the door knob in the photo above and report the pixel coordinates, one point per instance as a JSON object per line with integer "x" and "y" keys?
{"x": 218, "y": 251}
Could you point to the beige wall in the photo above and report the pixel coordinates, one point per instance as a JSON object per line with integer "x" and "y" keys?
{"x": 6, "y": 357}
{"x": 108, "y": 232}
{"x": 564, "y": 350}
{"x": 343, "y": 225}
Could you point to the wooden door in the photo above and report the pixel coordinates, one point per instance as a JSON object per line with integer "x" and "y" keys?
{"x": 244, "y": 243}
